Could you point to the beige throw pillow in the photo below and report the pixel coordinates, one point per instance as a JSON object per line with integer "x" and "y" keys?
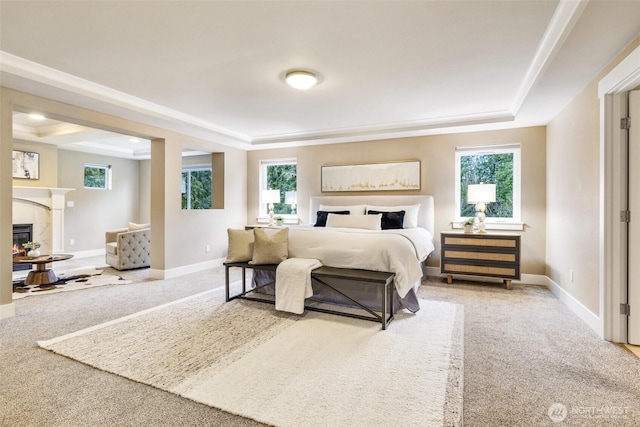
{"x": 240, "y": 245}
{"x": 270, "y": 249}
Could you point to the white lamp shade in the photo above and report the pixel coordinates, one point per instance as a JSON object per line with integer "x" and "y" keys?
{"x": 270, "y": 196}
{"x": 300, "y": 79}
{"x": 481, "y": 193}
{"x": 290, "y": 198}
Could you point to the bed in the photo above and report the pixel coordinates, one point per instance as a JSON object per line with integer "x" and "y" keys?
{"x": 399, "y": 251}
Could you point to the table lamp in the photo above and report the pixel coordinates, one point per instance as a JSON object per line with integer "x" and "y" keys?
{"x": 270, "y": 197}
{"x": 290, "y": 198}
{"x": 480, "y": 194}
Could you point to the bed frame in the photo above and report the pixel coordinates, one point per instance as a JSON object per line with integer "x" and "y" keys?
{"x": 324, "y": 274}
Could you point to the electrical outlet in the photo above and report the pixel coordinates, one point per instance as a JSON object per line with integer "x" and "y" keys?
{"x": 571, "y": 275}
{"x": 72, "y": 242}
{"x": 207, "y": 248}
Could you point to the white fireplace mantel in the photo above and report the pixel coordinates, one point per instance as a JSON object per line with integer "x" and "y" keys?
{"x": 54, "y": 200}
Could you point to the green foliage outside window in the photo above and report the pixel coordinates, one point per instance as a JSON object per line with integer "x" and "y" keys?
{"x": 196, "y": 189}
{"x": 488, "y": 169}
{"x": 283, "y": 178}
{"x": 95, "y": 177}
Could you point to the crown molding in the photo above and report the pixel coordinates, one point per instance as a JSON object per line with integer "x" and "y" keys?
{"x": 49, "y": 76}
{"x": 387, "y": 130}
{"x": 564, "y": 19}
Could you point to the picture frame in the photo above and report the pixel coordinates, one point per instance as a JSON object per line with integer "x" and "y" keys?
{"x": 25, "y": 165}
{"x": 386, "y": 176}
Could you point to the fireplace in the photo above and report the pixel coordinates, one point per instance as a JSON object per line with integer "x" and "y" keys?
{"x": 22, "y": 233}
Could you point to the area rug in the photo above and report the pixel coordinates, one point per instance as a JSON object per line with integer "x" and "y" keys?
{"x": 287, "y": 370}
{"x": 70, "y": 280}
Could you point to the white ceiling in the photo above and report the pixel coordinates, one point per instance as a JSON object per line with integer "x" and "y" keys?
{"x": 388, "y": 68}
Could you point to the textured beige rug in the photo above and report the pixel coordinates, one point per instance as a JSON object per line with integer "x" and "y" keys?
{"x": 70, "y": 280}
{"x": 287, "y": 370}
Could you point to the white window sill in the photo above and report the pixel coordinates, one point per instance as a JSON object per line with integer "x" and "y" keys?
{"x": 513, "y": 226}
{"x": 289, "y": 220}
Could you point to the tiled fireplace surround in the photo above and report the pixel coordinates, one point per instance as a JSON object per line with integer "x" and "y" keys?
{"x": 44, "y": 208}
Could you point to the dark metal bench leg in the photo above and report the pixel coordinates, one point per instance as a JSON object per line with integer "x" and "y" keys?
{"x": 384, "y": 306}
{"x": 244, "y": 280}
{"x": 226, "y": 283}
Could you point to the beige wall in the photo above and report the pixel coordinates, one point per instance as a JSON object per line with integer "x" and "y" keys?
{"x": 178, "y": 237}
{"x": 437, "y": 156}
{"x": 573, "y": 194}
{"x": 95, "y": 210}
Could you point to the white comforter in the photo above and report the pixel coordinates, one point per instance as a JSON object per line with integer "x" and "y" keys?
{"x": 397, "y": 251}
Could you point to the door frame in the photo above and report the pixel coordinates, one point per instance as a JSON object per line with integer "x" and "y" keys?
{"x": 612, "y": 92}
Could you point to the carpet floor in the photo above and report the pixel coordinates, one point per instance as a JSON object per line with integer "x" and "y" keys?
{"x": 312, "y": 370}
{"x": 524, "y": 352}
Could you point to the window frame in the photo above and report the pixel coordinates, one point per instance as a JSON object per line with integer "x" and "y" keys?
{"x": 495, "y": 223}
{"x": 108, "y": 175}
{"x": 263, "y": 207}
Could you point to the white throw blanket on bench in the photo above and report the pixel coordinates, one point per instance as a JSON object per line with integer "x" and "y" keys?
{"x": 293, "y": 283}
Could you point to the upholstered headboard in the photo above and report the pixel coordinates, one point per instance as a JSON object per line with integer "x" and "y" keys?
{"x": 425, "y": 215}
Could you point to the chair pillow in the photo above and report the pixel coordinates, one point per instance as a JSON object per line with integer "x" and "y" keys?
{"x": 112, "y": 248}
{"x": 390, "y": 220}
{"x": 367, "y": 222}
{"x": 240, "y": 245}
{"x": 135, "y": 227}
{"x": 270, "y": 249}
{"x": 321, "y": 217}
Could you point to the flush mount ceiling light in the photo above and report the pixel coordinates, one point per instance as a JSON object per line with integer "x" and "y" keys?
{"x": 36, "y": 116}
{"x": 300, "y": 79}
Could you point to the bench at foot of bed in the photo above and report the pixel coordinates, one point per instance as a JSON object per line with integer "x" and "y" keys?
{"x": 322, "y": 275}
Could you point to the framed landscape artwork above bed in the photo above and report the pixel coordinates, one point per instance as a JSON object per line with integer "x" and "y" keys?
{"x": 402, "y": 175}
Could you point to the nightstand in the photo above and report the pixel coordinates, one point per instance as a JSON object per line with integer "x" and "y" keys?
{"x": 480, "y": 254}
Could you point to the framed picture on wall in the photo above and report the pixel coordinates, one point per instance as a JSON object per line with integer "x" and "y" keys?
{"x": 387, "y": 176}
{"x": 26, "y": 165}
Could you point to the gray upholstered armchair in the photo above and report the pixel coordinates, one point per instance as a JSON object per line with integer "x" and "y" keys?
{"x": 128, "y": 249}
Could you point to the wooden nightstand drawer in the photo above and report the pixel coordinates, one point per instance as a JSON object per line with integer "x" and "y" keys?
{"x": 487, "y": 254}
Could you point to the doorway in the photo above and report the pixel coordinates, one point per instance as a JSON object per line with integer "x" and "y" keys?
{"x": 612, "y": 91}
{"x": 633, "y": 241}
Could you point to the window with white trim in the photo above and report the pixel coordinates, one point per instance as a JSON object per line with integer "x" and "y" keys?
{"x": 97, "y": 176}
{"x": 496, "y": 164}
{"x": 279, "y": 175}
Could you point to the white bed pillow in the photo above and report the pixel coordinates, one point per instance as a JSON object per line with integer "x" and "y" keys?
{"x": 353, "y": 210}
{"x": 410, "y": 213}
{"x": 367, "y": 222}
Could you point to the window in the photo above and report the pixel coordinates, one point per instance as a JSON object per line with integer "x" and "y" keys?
{"x": 499, "y": 165}
{"x": 97, "y": 176}
{"x": 279, "y": 175}
{"x": 196, "y": 187}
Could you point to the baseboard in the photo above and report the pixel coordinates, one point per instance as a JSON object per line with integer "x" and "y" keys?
{"x": 187, "y": 269}
{"x": 87, "y": 254}
{"x": 586, "y": 315}
{"x": 7, "y": 310}
{"x": 593, "y": 321}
